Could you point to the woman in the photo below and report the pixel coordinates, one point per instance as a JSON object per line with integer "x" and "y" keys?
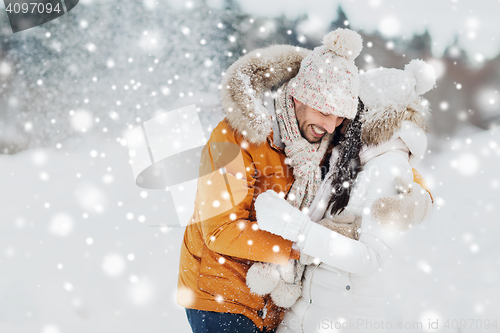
{"x": 343, "y": 283}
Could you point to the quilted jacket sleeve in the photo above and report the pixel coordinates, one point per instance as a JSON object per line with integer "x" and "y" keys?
{"x": 224, "y": 203}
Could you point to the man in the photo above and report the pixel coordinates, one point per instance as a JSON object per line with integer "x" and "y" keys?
{"x": 280, "y": 149}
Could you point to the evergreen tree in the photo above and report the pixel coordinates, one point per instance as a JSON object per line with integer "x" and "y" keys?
{"x": 307, "y": 43}
{"x": 421, "y": 44}
{"x": 113, "y": 58}
{"x": 233, "y": 6}
{"x": 455, "y": 52}
{"x": 341, "y": 19}
{"x": 286, "y": 31}
{"x": 232, "y": 17}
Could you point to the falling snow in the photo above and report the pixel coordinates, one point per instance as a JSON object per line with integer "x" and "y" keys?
{"x": 83, "y": 244}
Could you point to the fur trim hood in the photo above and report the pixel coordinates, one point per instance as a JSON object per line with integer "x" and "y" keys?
{"x": 379, "y": 126}
{"x": 246, "y": 81}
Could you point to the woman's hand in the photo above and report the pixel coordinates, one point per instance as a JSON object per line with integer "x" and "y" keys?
{"x": 277, "y": 216}
{"x": 404, "y": 210}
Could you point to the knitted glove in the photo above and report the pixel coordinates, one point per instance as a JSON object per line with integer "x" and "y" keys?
{"x": 408, "y": 208}
{"x": 276, "y": 215}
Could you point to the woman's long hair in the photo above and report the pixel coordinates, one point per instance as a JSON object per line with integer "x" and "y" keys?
{"x": 348, "y": 164}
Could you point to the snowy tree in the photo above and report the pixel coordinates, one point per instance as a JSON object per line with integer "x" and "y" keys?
{"x": 341, "y": 20}
{"x": 117, "y": 64}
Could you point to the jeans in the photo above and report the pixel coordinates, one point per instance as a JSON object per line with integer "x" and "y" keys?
{"x": 215, "y": 322}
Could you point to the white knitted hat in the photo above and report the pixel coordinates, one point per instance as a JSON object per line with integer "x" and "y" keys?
{"x": 328, "y": 79}
{"x": 385, "y": 88}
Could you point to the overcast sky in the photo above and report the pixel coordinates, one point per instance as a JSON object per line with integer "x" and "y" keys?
{"x": 476, "y": 22}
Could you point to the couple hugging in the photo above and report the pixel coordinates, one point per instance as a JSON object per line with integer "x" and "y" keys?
{"x": 328, "y": 174}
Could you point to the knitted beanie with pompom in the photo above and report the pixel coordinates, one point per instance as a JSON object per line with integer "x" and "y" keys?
{"x": 328, "y": 79}
{"x": 395, "y": 89}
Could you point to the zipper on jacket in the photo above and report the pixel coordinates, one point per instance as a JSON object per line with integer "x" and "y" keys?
{"x": 310, "y": 284}
{"x": 310, "y": 301}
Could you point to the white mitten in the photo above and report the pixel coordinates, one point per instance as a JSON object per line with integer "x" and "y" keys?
{"x": 346, "y": 225}
{"x": 407, "y": 209}
{"x": 277, "y": 216}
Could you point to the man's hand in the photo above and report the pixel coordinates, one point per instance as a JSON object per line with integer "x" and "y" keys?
{"x": 407, "y": 209}
{"x": 277, "y": 216}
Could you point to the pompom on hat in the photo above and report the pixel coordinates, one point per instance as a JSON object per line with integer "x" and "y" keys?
{"x": 328, "y": 79}
{"x": 390, "y": 88}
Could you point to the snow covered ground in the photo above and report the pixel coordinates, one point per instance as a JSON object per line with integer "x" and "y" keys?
{"x": 82, "y": 248}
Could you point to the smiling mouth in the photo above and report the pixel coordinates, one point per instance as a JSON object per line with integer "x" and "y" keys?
{"x": 317, "y": 132}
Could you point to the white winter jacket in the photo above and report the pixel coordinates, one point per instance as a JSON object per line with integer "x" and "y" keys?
{"x": 345, "y": 287}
